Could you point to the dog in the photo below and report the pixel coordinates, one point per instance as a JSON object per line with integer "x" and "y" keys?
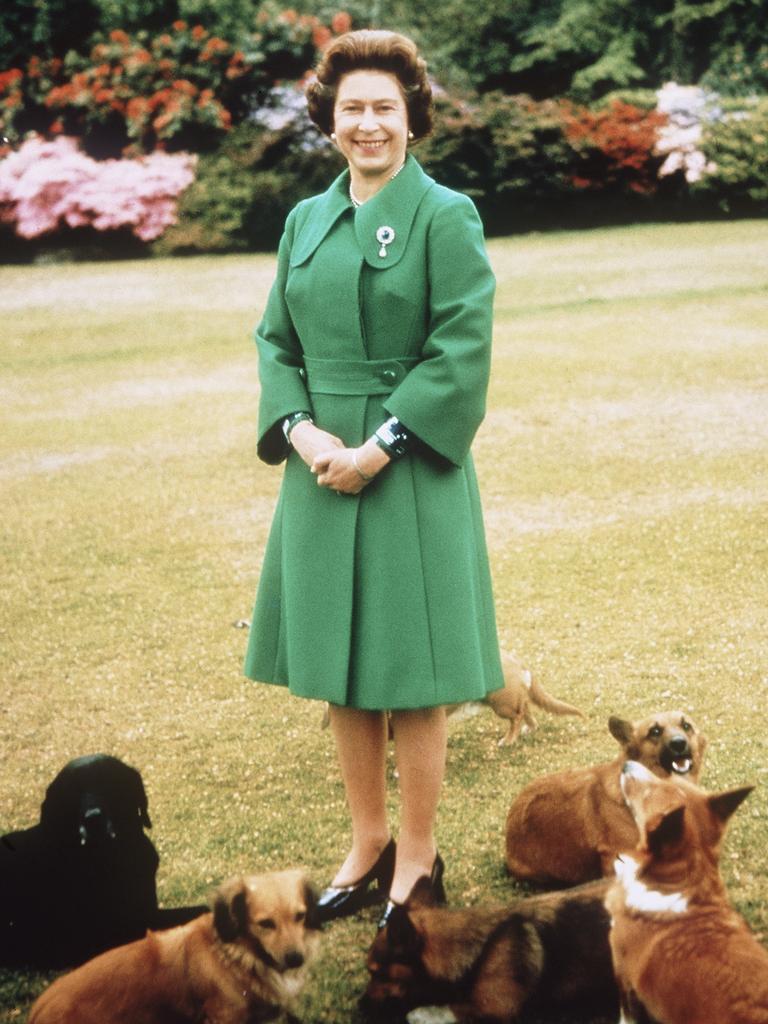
{"x": 681, "y": 953}
{"x": 244, "y": 962}
{"x": 567, "y": 828}
{"x": 539, "y": 954}
{"x": 83, "y": 879}
{"x": 513, "y": 701}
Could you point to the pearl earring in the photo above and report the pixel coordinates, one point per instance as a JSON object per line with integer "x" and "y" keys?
{"x": 410, "y": 136}
{"x": 333, "y": 136}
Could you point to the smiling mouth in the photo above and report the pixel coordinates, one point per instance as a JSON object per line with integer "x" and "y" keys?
{"x": 370, "y": 143}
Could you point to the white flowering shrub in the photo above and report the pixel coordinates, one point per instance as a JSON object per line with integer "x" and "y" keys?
{"x": 688, "y": 110}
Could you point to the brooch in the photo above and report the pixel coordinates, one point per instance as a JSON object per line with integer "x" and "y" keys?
{"x": 384, "y": 236}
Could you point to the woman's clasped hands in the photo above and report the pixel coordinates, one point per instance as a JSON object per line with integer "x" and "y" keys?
{"x": 338, "y": 468}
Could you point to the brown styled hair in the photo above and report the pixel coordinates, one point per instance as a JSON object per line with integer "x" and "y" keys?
{"x": 372, "y": 50}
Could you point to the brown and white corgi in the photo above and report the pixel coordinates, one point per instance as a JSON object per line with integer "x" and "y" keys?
{"x": 567, "y": 828}
{"x": 681, "y": 953}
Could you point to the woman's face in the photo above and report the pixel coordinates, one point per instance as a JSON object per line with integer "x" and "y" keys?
{"x": 370, "y": 121}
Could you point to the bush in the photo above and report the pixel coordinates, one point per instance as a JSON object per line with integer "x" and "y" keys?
{"x": 736, "y": 148}
{"x": 178, "y": 90}
{"x": 615, "y": 148}
{"x": 531, "y": 154}
{"x": 515, "y": 155}
{"x": 49, "y": 184}
{"x": 688, "y": 109}
{"x": 459, "y": 152}
{"x": 243, "y": 192}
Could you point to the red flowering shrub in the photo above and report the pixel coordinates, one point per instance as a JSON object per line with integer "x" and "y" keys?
{"x": 614, "y": 148}
{"x": 285, "y": 43}
{"x": 178, "y": 90}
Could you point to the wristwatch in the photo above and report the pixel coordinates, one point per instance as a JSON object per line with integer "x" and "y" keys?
{"x": 290, "y": 422}
{"x": 393, "y": 438}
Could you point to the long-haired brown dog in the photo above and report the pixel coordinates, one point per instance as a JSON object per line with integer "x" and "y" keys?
{"x": 681, "y": 953}
{"x": 566, "y": 828}
{"x": 244, "y": 962}
{"x": 537, "y": 954}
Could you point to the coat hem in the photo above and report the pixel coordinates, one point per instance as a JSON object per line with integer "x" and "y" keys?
{"x": 365, "y": 706}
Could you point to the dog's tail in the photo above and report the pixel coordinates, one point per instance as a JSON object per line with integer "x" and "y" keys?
{"x": 546, "y": 701}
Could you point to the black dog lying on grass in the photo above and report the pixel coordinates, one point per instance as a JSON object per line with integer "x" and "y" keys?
{"x": 83, "y": 879}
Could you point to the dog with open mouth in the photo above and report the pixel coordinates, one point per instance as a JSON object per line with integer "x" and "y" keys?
{"x": 681, "y": 953}
{"x": 567, "y": 828}
{"x": 244, "y": 962}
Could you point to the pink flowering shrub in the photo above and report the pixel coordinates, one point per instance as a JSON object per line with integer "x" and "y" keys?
{"x": 45, "y": 185}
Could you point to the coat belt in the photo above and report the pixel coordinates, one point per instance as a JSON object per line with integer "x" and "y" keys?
{"x": 355, "y": 377}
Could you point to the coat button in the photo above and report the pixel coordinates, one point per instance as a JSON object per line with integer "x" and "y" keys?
{"x": 389, "y": 376}
{"x": 303, "y": 373}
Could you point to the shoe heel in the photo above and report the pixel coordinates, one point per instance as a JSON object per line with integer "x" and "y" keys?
{"x": 385, "y": 868}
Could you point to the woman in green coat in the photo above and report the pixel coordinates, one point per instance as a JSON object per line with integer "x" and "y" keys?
{"x": 374, "y": 353}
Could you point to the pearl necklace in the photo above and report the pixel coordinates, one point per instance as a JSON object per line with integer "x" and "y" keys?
{"x": 359, "y": 202}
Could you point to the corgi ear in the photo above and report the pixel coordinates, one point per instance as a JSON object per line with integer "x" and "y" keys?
{"x": 620, "y": 729}
{"x": 665, "y": 829}
{"x": 724, "y": 804}
{"x": 421, "y": 895}
{"x": 402, "y": 934}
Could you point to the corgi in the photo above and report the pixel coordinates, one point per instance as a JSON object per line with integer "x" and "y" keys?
{"x": 567, "y": 828}
{"x": 513, "y": 701}
{"x": 681, "y": 953}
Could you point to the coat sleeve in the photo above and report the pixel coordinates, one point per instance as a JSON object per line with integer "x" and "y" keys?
{"x": 442, "y": 400}
{"x": 281, "y": 374}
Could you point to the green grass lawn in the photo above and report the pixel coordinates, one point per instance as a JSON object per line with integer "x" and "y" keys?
{"x": 624, "y": 468}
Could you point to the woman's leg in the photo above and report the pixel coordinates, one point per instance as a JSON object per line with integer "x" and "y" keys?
{"x": 361, "y": 747}
{"x": 420, "y": 754}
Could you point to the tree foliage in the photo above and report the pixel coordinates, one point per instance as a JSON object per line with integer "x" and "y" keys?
{"x": 586, "y": 48}
{"x": 30, "y": 28}
{"x": 578, "y": 48}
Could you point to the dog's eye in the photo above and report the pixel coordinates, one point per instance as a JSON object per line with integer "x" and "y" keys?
{"x": 687, "y": 727}
{"x": 300, "y": 917}
{"x": 654, "y": 732}
{"x": 267, "y": 924}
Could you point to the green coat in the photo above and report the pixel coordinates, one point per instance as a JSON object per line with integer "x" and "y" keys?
{"x": 382, "y": 600}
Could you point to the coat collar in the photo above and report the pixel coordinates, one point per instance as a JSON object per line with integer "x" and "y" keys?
{"x": 393, "y": 207}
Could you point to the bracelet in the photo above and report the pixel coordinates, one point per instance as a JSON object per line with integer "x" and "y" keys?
{"x": 290, "y": 422}
{"x": 356, "y": 464}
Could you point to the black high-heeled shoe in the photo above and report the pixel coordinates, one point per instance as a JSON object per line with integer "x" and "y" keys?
{"x": 435, "y": 891}
{"x": 344, "y": 900}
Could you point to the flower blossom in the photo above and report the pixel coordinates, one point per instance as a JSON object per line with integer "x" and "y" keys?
{"x": 688, "y": 108}
{"x": 46, "y": 184}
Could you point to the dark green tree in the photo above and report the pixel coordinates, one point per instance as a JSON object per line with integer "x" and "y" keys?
{"x": 31, "y": 28}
